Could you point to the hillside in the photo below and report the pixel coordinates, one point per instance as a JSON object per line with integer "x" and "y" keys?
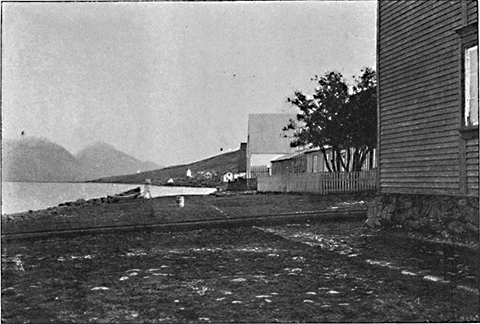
{"x": 38, "y": 159}
{"x": 217, "y": 164}
{"x": 103, "y": 160}
{"x": 41, "y": 160}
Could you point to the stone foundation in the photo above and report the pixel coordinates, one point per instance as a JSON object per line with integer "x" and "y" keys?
{"x": 447, "y": 216}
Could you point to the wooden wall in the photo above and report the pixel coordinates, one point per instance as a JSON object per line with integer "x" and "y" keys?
{"x": 472, "y": 11}
{"x": 472, "y": 166}
{"x": 420, "y": 96}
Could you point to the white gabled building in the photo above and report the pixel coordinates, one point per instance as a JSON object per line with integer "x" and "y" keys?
{"x": 266, "y": 140}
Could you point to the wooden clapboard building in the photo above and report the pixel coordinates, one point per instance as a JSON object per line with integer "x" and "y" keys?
{"x": 427, "y": 157}
{"x": 427, "y": 69}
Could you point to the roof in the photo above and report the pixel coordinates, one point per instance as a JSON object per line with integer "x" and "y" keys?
{"x": 265, "y": 134}
{"x": 288, "y": 156}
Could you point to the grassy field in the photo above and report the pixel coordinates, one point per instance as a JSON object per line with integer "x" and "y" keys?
{"x": 165, "y": 210}
{"x": 323, "y": 272}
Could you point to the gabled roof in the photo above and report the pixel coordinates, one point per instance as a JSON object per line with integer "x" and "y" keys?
{"x": 265, "y": 135}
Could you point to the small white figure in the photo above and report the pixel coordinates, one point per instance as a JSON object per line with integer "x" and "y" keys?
{"x": 146, "y": 190}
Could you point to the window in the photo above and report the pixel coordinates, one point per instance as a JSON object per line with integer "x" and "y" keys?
{"x": 471, "y": 86}
{"x": 315, "y": 163}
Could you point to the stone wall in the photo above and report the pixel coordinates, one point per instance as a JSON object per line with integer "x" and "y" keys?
{"x": 447, "y": 216}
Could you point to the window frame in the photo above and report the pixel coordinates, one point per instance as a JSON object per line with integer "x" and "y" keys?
{"x": 467, "y": 84}
{"x": 468, "y": 39}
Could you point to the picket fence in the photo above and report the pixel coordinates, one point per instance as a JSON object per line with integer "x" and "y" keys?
{"x": 321, "y": 182}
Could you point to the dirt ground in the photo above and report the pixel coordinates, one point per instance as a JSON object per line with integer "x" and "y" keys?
{"x": 310, "y": 272}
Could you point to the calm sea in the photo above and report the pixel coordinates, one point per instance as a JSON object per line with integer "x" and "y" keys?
{"x": 25, "y": 196}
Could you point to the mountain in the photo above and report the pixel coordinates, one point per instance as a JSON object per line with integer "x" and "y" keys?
{"x": 38, "y": 159}
{"x": 231, "y": 161}
{"x": 103, "y": 160}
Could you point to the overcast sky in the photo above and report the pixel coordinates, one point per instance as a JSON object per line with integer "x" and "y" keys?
{"x": 169, "y": 82}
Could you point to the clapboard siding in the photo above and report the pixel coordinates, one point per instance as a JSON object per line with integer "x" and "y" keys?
{"x": 395, "y": 161}
{"x": 419, "y": 98}
{"x": 401, "y": 150}
{"x": 428, "y": 36}
{"x": 414, "y": 111}
{"x": 418, "y": 124}
{"x": 447, "y": 170}
{"x": 425, "y": 166}
{"x": 391, "y": 10}
{"x": 412, "y": 143}
{"x": 472, "y": 9}
{"x": 448, "y": 21}
{"x": 426, "y": 133}
{"x": 427, "y": 155}
{"x": 422, "y": 143}
{"x": 421, "y": 72}
{"x": 428, "y": 45}
{"x": 411, "y": 107}
{"x": 416, "y": 93}
{"x": 424, "y": 72}
{"x": 412, "y": 15}
{"x": 472, "y": 166}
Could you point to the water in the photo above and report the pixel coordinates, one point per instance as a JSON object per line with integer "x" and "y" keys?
{"x": 25, "y": 196}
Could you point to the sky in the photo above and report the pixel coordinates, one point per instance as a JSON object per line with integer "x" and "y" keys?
{"x": 169, "y": 82}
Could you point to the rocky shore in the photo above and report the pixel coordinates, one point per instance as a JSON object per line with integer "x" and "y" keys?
{"x": 57, "y": 210}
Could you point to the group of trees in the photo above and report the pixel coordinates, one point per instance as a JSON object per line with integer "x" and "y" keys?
{"x": 338, "y": 118}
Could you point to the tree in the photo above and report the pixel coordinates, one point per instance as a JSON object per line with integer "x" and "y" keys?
{"x": 338, "y": 118}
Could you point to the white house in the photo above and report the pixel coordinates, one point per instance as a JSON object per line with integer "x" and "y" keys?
{"x": 266, "y": 140}
{"x": 228, "y": 176}
{"x": 189, "y": 173}
{"x": 239, "y": 175}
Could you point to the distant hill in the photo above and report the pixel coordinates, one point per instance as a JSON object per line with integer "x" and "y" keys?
{"x": 231, "y": 161}
{"x": 40, "y": 160}
{"x": 103, "y": 160}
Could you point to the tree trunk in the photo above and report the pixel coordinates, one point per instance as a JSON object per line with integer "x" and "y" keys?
{"x": 325, "y": 158}
{"x": 355, "y": 159}
{"x": 349, "y": 159}
{"x": 341, "y": 161}
{"x": 334, "y": 164}
{"x": 363, "y": 156}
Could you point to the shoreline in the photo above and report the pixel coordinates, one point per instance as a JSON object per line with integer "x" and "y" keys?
{"x": 99, "y": 198}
